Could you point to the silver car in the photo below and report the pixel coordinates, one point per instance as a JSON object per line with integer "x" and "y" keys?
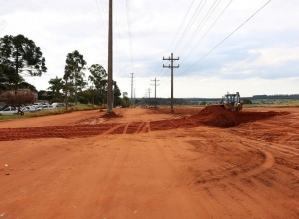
{"x": 10, "y": 110}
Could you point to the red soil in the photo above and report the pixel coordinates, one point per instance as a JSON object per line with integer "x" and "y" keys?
{"x": 110, "y": 115}
{"x": 216, "y": 115}
{"x": 213, "y": 115}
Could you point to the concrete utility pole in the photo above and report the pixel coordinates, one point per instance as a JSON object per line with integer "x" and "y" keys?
{"x": 134, "y": 97}
{"x": 132, "y": 103}
{"x": 155, "y": 91}
{"x": 110, "y": 62}
{"x": 171, "y": 59}
{"x": 149, "y": 96}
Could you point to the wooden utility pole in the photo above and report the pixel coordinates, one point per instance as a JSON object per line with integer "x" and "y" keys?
{"x": 149, "y": 96}
{"x": 171, "y": 59}
{"x": 110, "y": 62}
{"x": 155, "y": 91}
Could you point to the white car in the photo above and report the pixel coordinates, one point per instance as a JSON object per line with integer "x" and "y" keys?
{"x": 10, "y": 110}
{"x": 49, "y": 107}
{"x": 29, "y": 109}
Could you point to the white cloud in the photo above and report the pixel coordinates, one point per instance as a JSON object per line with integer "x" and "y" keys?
{"x": 261, "y": 53}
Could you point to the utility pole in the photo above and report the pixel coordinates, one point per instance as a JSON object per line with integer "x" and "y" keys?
{"x": 134, "y": 97}
{"x": 171, "y": 59}
{"x": 132, "y": 103}
{"x": 155, "y": 91}
{"x": 110, "y": 62}
{"x": 149, "y": 96}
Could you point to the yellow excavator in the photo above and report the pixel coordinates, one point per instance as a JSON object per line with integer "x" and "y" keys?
{"x": 232, "y": 102}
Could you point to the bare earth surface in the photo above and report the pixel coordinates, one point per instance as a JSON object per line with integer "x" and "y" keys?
{"x": 147, "y": 163}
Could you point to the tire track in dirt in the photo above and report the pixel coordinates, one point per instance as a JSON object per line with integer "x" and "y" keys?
{"x": 251, "y": 162}
{"x": 139, "y": 127}
{"x": 126, "y": 128}
{"x": 98, "y": 184}
{"x": 230, "y": 187}
{"x": 181, "y": 187}
{"x": 211, "y": 116}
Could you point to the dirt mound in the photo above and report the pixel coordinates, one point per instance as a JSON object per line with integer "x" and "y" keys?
{"x": 110, "y": 115}
{"x": 216, "y": 115}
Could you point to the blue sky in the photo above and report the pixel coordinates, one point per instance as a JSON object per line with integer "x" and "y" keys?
{"x": 261, "y": 57}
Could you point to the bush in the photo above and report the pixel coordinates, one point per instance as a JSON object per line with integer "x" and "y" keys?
{"x": 82, "y": 100}
{"x": 247, "y": 101}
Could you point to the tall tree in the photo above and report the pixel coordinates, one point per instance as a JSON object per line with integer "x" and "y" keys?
{"x": 22, "y": 54}
{"x": 3, "y": 80}
{"x": 26, "y": 85}
{"x": 98, "y": 78}
{"x": 117, "y": 94}
{"x": 56, "y": 84}
{"x": 75, "y": 65}
{"x": 12, "y": 79}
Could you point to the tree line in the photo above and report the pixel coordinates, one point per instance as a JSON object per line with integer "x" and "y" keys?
{"x": 19, "y": 57}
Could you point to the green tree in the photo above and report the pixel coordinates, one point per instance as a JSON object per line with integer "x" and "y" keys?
{"x": 75, "y": 65}
{"x": 26, "y": 85}
{"x": 56, "y": 84}
{"x": 247, "y": 101}
{"x": 3, "y": 80}
{"x": 22, "y": 54}
{"x": 117, "y": 94}
{"x": 10, "y": 79}
{"x": 98, "y": 78}
{"x": 45, "y": 95}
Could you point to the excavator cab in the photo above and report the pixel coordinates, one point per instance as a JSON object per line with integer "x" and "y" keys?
{"x": 232, "y": 102}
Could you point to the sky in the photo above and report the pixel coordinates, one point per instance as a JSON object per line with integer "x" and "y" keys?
{"x": 246, "y": 46}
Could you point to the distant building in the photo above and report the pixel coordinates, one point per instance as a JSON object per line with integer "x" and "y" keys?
{"x": 22, "y": 91}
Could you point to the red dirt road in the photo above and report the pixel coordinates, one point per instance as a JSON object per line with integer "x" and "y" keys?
{"x": 146, "y": 164}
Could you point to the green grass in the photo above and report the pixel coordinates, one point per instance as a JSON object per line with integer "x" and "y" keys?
{"x": 60, "y": 110}
{"x": 273, "y": 103}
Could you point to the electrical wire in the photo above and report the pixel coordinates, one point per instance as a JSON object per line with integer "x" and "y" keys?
{"x": 181, "y": 25}
{"x": 200, "y": 26}
{"x": 226, "y": 38}
{"x": 161, "y": 68}
{"x": 129, "y": 31}
{"x": 190, "y": 23}
{"x": 206, "y": 32}
{"x": 100, "y": 15}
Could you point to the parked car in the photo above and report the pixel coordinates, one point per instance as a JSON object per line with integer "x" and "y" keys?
{"x": 49, "y": 107}
{"x": 10, "y": 110}
{"x": 37, "y": 105}
{"x": 60, "y": 105}
{"x": 29, "y": 109}
{"x": 39, "y": 108}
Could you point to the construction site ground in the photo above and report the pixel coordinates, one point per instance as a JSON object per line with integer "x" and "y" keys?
{"x": 148, "y": 163}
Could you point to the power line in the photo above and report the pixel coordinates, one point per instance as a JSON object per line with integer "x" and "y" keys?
{"x": 226, "y": 38}
{"x": 200, "y": 26}
{"x": 129, "y": 31}
{"x": 207, "y": 31}
{"x": 100, "y": 15}
{"x": 180, "y": 25}
{"x": 176, "y": 34}
{"x": 190, "y": 23}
